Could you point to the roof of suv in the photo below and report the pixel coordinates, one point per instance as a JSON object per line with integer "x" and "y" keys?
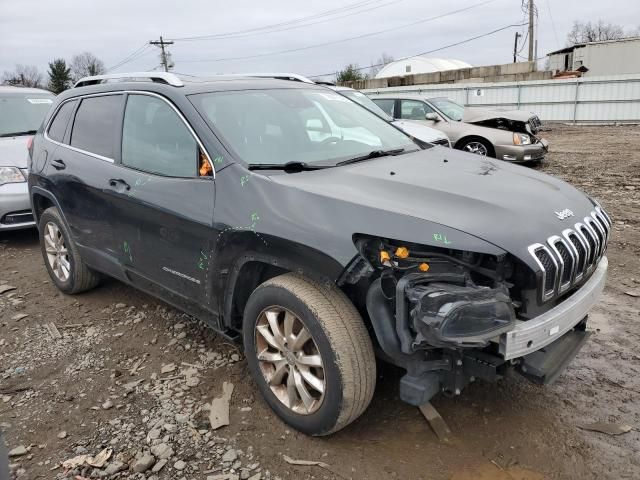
{"x": 188, "y": 84}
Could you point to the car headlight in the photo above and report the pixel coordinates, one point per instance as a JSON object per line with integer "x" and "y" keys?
{"x": 521, "y": 139}
{"x": 11, "y": 175}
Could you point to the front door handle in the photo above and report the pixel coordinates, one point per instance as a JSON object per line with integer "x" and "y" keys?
{"x": 58, "y": 164}
{"x": 118, "y": 183}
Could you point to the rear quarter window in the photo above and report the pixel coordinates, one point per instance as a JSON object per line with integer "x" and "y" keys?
{"x": 95, "y": 128}
{"x": 60, "y": 121}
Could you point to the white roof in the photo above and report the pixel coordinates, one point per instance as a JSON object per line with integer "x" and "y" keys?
{"x": 13, "y": 89}
{"x": 420, "y": 65}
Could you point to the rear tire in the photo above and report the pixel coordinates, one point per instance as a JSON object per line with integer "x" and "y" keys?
{"x": 61, "y": 257}
{"x": 343, "y": 375}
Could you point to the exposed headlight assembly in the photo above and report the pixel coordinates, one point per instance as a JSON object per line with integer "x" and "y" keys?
{"x": 521, "y": 139}
{"x": 11, "y": 175}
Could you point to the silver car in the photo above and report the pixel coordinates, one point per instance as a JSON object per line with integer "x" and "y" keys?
{"x": 21, "y": 113}
{"x": 410, "y": 127}
{"x": 509, "y": 135}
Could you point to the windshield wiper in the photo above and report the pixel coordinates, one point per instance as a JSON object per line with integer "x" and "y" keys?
{"x": 289, "y": 167}
{"x": 372, "y": 154}
{"x": 18, "y": 134}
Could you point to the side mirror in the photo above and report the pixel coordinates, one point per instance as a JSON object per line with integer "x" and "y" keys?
{"x": 432, "y": 116}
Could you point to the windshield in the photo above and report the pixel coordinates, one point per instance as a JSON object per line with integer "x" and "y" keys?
{"x": 366, "y": 102}
{"x": 279, "y": 126}
{"x": 450, "y": 108}
{"x": 22, "y": 112}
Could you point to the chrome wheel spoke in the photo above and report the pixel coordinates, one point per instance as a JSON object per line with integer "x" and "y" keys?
{"x": 282, "y": 368}
{"x": 304, "y": 394}
{"x": 310, "y": 360}
{"x": 303, "y": 337}
{"x": 272, "y": 318}
{"x": 270, "y": 339}
{"x": 292, "y": 392}
{"x": 289, "y": 320}
{"x": 271, "y": 357}
{"x": 316, "y": 383}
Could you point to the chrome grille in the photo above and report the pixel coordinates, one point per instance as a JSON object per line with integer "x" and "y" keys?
{"x": 535, "y": 124}
{"x": 565, "y": 259}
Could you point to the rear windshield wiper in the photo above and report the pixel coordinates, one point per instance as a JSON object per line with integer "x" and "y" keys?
{"x": 17, "y": 134}
{"x": 372, "y": 154}
{"x": 289, "y": 167}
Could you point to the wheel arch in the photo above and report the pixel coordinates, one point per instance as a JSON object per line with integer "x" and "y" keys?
{"x": 467, "y": 138}
{"x": 41, "y": 200}
{"x": 253, "y": 268}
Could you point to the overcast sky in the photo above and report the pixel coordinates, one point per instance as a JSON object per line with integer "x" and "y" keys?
{"x": 36, "y": 31}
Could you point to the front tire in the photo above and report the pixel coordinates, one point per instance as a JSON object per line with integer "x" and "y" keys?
{"x": 478, "y": 146}
{"x": 310, "y": 353}
{"x": 61, "y": 256}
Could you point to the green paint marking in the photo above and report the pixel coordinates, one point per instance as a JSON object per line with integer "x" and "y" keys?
{"x": 218, "y": 160}
{"x": 244, "y": 180}
{"x": 127, "y": 250}
{"x": 438, "y": 237}
{"x": 202, "y": 260}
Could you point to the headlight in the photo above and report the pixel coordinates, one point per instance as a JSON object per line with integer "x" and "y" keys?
{"x": 11, "y": 175}
{"x": 521, "y": 139}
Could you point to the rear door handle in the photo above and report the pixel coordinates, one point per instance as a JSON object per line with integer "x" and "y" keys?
{"x": 118, "y": 184}
{"x": 58, "y": 164}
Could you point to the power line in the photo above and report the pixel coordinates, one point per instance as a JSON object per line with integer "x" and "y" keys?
{"x": 275, "y": 25}
{"x": 553, "y": 24}
{"x": 432, "y": 51}
{"x": 291, "y": 27}
{"x": 308, "y": 47}
{"x": 137, "y": 53}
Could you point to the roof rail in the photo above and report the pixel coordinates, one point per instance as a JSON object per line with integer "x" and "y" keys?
{"x": 279, "y": 76}
{"x": 160, "y": 77}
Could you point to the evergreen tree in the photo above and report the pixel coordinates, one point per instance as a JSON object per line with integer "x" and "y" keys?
{"x": 59, "y": 76}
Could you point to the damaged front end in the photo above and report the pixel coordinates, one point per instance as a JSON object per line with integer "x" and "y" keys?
{"x": 440, "y": 314}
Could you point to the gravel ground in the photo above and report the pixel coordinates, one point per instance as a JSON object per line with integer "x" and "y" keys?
{"x": 125, "y": 383}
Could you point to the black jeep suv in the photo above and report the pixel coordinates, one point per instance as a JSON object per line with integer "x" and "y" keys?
{"x": 284, "y": 214}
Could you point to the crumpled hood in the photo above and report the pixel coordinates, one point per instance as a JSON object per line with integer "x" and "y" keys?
{"x": 13, "y": 151}
{"x": 476, "y": 114}
{"x": 506, "y": 205}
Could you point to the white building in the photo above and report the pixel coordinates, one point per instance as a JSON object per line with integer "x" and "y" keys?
{"x": 610, "y": 57}
{"x": 419, "y": 64}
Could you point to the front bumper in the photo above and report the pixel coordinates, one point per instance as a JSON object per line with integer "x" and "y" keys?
{"x": 522, "y": 153}
{"x": 15, "y": 207}
{"x": 532, "y": 335}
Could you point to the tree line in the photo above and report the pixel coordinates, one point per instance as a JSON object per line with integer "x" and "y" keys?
{"x": 60, "y": 76}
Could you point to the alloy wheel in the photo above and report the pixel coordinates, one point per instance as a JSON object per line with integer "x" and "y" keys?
{"x": 476, "y": 147}
{"x": 290, "y": 360}
{"x": 57, "y": 253}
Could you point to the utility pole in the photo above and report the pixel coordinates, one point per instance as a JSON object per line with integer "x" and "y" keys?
{"x": 515, "y": 47}
{"x": 531, "y": 39}
{"x": 164, "y": 56}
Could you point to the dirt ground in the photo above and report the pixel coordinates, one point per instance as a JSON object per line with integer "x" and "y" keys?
{"x": 108, "y": 382}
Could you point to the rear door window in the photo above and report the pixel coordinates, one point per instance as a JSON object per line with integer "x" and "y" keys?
{"x": 95, "y": 128}
{"x": 156, "y": 140}
{"x": 386, "y": 104}
{"x": 414, "y": 109}
{"x": 59, "y": 125}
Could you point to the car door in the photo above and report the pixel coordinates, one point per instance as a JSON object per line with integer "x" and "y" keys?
{"x": 78, "y": 168}
{"x": 411, "y": 109}
{"x": 163, "y": 205}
